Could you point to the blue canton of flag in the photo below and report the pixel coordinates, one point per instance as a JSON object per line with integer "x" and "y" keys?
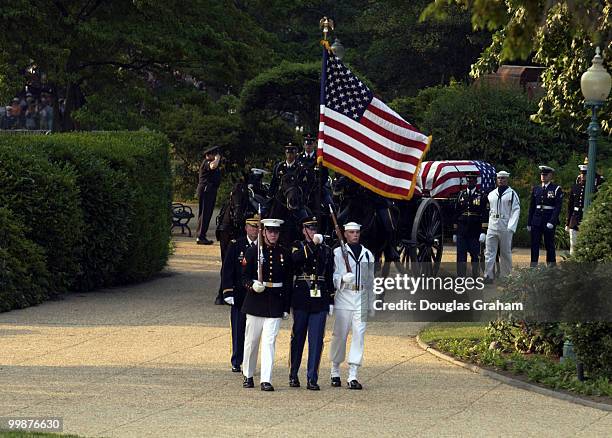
{"x": 344, "y": 92}
{"x": 487, "y": 176}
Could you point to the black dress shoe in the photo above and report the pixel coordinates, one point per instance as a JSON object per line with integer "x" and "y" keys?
{"x": 354, "y": 384}
{"x": 219, "y": 301}
{"x": 204, "y": 241}
{"x": 236, "y": 369}
{"x": 312, "y": 385}
{"x": 265, "y": 386}
{"x": 335, "y": 382}
{"x": 294, "y": 382}
{"x": 248, "y": 382}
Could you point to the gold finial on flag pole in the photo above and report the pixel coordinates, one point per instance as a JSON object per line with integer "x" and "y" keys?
{"x": 326, "y": 25}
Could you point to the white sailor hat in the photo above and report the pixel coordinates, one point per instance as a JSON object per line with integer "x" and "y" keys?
{"x": 503, "y": 174}
{"x": 546, "y": 169}
{"x": 583, "y": 167}
{"x": 352, "y": 226}
{"x": 272, "y": 223}
{"x": 257, "y": 171}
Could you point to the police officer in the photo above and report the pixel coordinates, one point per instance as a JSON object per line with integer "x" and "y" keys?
{"x": 311, "y": 300}
{"x": 265, "y": 302}
{"x": 504, "y": 213}
{"x": 470, "y": 219}
{"x": 233, "y": 289}
{"x": 575, "y": 205}
{"x": 544, "y": 209}
{"x": 353, "y": 302}
{"x": 289, "y": 166}
{"x": 208, "y": 184}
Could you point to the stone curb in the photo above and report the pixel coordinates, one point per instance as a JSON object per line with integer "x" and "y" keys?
{"x": 513, "y": 382}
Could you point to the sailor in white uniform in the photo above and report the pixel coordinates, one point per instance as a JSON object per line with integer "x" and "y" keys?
{"x": 354, "y": 301}
{"x": 504, "y": 212}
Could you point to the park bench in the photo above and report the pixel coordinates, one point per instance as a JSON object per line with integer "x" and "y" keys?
{"x": 181, "y": 215}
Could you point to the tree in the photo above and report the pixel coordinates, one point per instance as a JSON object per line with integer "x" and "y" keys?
{"x": 560, "y": 35}
{"x": 82, "y": 46}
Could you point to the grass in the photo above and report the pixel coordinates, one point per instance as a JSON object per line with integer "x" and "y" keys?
{"x": 470, "y": 342}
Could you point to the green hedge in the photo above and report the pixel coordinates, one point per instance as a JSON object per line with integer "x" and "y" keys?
{"x": 98, "y": 204}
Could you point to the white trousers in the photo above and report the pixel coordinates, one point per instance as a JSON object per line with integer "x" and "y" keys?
{"x": 573, "y": 236}
{"x": 347, "y": 320}
{"x": 502, "y": 240}
{"x": 264, "y": 329}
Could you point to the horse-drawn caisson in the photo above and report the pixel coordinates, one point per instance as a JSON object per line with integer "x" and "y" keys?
{"x": 409, "y": 233}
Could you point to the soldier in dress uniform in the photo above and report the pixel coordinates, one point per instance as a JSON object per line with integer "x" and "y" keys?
{"x": 311, "y": 300}
{"x": 353, "y": 302}
{"x": 575, "y": 205}
{"x": 233, "y": 288}
{"x": 289, "y": 166}
{"x": 470, "y": 222}
{"x": 208, "y": 184}
{"x": 308, "y": 156}
{"x": 504, "y": 212}
{"x": 265, "y": 302}
{"x": 544, "y": 209}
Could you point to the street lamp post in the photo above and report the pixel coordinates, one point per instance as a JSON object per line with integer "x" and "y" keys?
{"x": 595, "y": 85}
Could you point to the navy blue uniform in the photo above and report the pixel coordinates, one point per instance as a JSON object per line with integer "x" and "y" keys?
{"x": 312, "y": 294}
{"x": 470, "y": 219}
{"x": 277, "y": 277}
{"x": 544, "y": 208}
{"x": 208, "y": 185}
{"x": 280, "y": 170}
{"x": 231, "y": 283}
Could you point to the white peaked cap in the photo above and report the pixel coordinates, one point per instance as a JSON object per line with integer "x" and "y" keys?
{"x": 272, "y": 223}
{"x": 503, "y": 173}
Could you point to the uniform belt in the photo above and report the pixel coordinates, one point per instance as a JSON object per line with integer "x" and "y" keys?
{"x": 545, "y": 207}
{"x": 469, "y": 213}
{"x": 497, "y": 216}
{"x": 352, "y": 287}
{"x": 268, "y": 284}
{"x": 576, "y": 208}
{"x": 310, "y": 277}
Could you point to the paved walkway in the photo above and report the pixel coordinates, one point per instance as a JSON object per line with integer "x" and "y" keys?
{"x": 153, "y": 360}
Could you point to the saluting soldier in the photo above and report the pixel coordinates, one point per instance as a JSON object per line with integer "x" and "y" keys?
{"x": 470, "y": 222}
{"x": 266, "y": 302}
{"x": 233, "y": 287}
{"x": 311, "y": 301}
{"x": 544, "y": 209}
{"x": 575, "y": 205}
{"x": 208, "y": 184}
{"x": 353, "y": 302}
{"x": 289, "y": 166}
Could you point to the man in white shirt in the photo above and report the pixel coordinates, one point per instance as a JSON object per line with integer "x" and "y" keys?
{"x": 354, "y": 301}
{"x": 504, "y": 212}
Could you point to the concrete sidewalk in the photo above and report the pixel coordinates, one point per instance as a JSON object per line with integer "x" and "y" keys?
{"x": 153, "y": 360}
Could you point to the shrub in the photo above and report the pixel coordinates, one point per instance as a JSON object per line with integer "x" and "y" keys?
{"x": 44, "y": 197}
{"x": 24, "y": 278}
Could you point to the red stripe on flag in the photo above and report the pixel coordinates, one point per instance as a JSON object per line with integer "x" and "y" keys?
{"x": 391, "y": 118}
{"x": 393, "y": 136}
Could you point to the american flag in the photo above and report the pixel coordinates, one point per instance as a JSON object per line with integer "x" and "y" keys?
{"x": 444, "y": 179}
{"x": 364, "y": 139}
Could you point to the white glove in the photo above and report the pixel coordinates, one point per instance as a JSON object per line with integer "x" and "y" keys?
{"x": 567, "y": 228}
{"x": 454, "y": 238}
{"x": 317, "y": 239}
{"x": 258, "y": 286}
{"x": 229, "y": 300}
{"x": 550, "y": 226}
{"x": 331, "y": 310}
{"x": 371, "y": 313}
{"x": 528, "y": 227}
{"x": 348, "y": 278}
{"x": 285, "y": 315}
{"x": 482, "y": 237}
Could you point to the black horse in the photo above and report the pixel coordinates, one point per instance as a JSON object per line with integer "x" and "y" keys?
{"x": 378, "y": 216}
{"x": 289, "y": 204}
{"x": 231, "y": 218}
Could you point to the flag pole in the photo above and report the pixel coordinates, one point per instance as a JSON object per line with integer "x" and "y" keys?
{"x": 326, "y": 25}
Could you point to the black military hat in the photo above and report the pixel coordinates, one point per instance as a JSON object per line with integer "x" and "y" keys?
{"x": 290, "y": 147}
{"x": 545, "y": 170}
{"x": 309, "y": 139}
{"x": 212, "y": 149}
{"x": 309, "y": 221}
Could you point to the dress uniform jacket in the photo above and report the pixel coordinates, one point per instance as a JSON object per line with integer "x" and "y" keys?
{"x": 545, "y": 205}
{"x": 308, "y": 160}
{"x": 231, "y": 274}
{"x": 504, "y": 210}
{"x": 280, "y": 170}
{"x": 313, "y": 266}
{"x": 277, "y": 276}
{"x": 208, "y": 179}
{"x": 360, "y": 295}
{"x": 471, "y": 213}
{"x": 575, "y": 206}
